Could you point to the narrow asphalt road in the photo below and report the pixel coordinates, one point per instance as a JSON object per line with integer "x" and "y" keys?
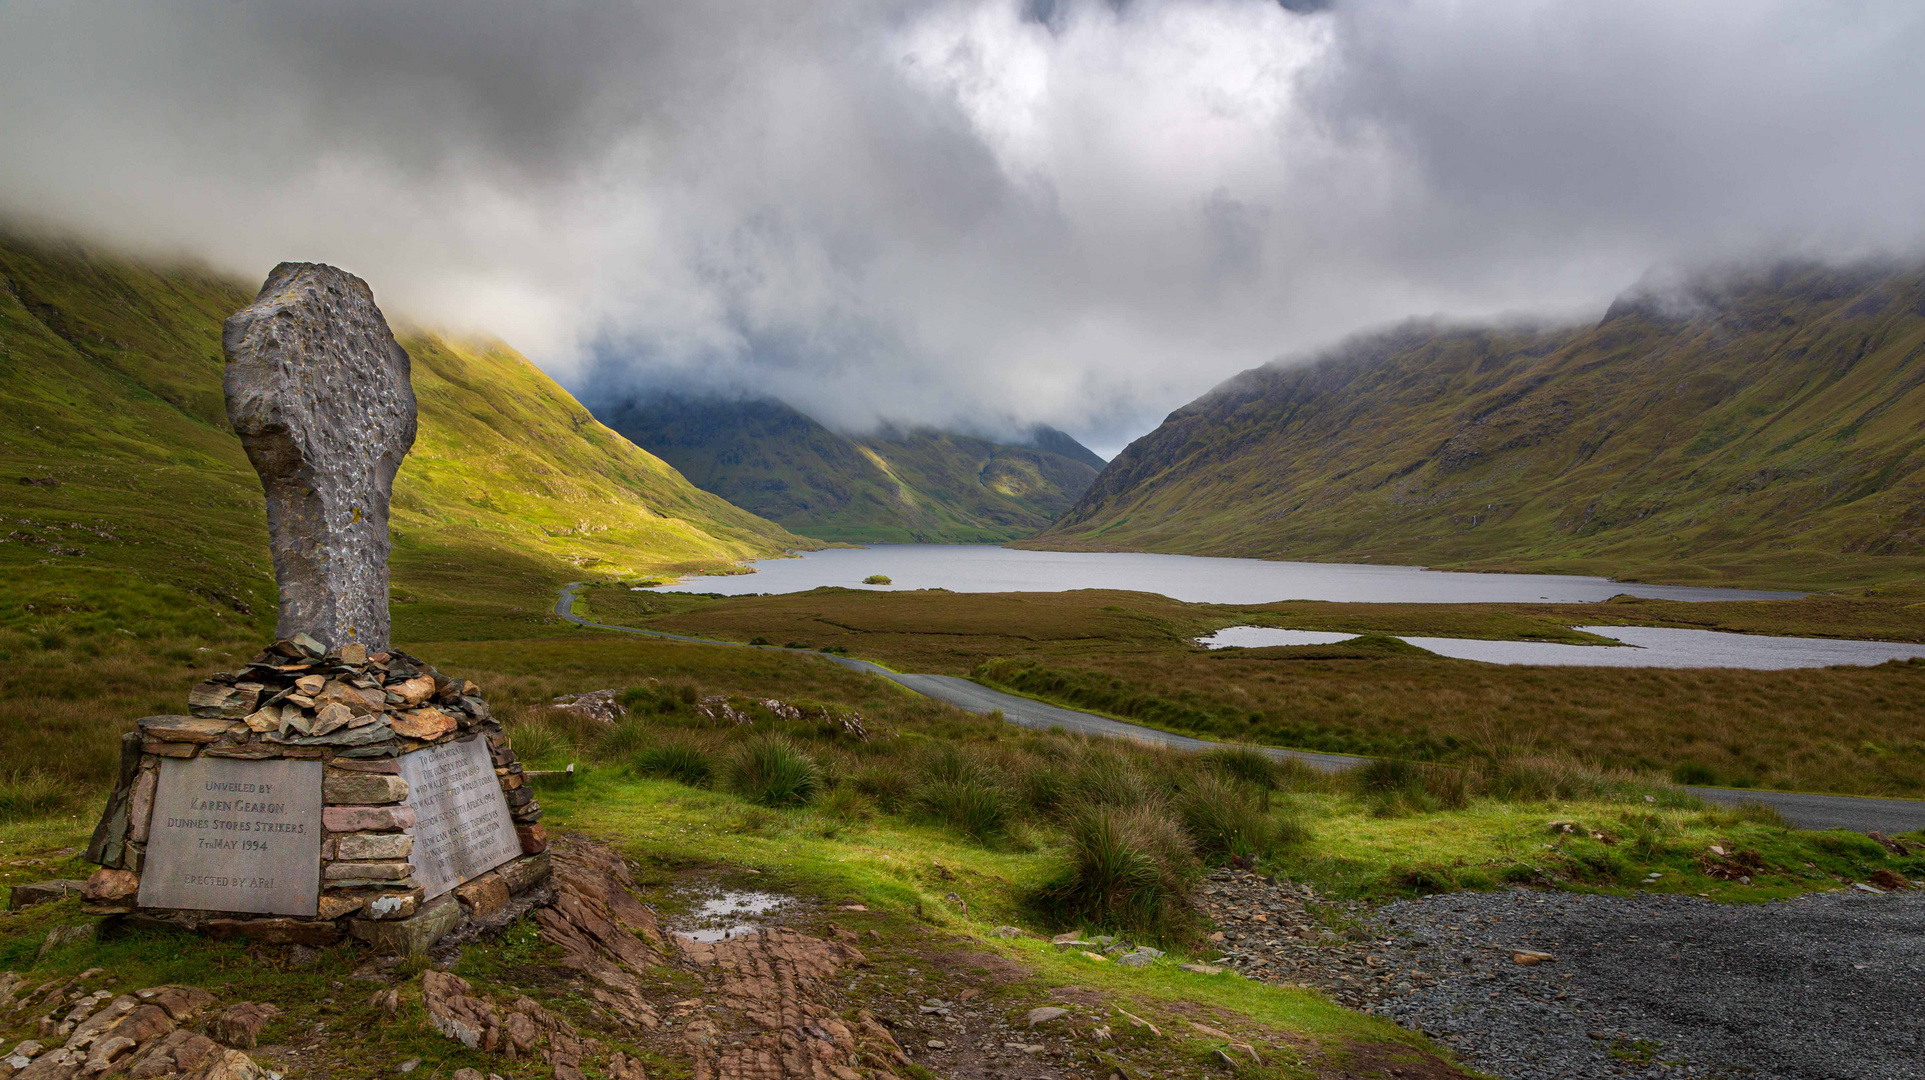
{"x": 1804, "y": 811}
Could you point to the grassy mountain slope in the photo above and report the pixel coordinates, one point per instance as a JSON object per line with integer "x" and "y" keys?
{"x": 127, "y": 503}
{"x": 897, "y": 486}
{"x": 1768, "y": 428}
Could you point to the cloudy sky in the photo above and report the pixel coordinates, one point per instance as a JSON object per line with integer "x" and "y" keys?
{"x": 974, "y": 213}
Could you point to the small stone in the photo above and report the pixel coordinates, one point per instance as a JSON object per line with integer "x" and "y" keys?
{"x": 1210, "y": 1032}
{"x": 534, "y": 839}
{"x": 42, "y": 892}
{"x": 1098, "y": 957}
{"x": 413, "y": 691}
{"x": 373, "y": 846}
{"x": 1135, "y": 960}
{"x": 425, "y": 724}
{"x": 936, "y": 1044}
{"x": 1045, "y": 1014}
{"x": 331, "y": 718}
{"x": 1864, "y": 888}
{"x": 240, "y": 1025}
{"x": 415, "y": 934}
{"x": 1008, "y": 932}
{"x": 1531, "y": 959}
{"x": 354, "y": 654}
{"x": 394, "y": 905}
{"x": 343, "y": 788}
{"x": 343, "y": 819}
{"x": 409, "y": 1065}
{"x": 388, "y": 870}
{"x": 310, "y": 684}
{"x": 1201, "y": 969}
{"x": 107, "y": 885}
{"x": 188, "y": 729}
{"x": 484, "y": 897}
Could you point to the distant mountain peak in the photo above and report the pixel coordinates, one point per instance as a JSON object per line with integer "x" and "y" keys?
{"x": 899, "y": 483}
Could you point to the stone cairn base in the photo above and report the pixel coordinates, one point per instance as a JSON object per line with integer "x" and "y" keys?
{"x": 358, "y": 713}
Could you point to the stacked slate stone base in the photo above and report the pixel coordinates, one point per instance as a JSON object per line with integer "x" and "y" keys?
{"x": 359, "y": 714}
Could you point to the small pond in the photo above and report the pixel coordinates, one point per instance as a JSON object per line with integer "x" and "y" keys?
{"x": 1644, "y": 646}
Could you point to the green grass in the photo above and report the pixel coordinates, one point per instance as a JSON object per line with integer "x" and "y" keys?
{"x": 152, "y": 526}
{"x": 1768, "y": 439}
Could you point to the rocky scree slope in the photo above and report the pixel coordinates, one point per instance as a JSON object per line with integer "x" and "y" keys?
{"x": 895, "y": 486}
{"x": 1762, "y": 427}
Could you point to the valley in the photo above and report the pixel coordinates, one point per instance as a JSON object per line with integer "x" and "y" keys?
{"x": 896, "y": 485}
{"x": 952, "y": 844}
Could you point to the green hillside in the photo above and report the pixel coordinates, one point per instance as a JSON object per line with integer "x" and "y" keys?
{"x": 897, "y": 486}
{"x": 126, "y": 504}
{"x": 1762, "y": 429}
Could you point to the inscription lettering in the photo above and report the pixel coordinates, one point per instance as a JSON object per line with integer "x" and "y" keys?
{"x": 462, "y": 829}
{"x": 216, "y": 841}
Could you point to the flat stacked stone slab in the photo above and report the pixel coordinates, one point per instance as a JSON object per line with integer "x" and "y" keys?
{"x": 317, "y": 793}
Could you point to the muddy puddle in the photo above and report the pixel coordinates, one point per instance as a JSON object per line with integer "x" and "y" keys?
{"x": 731, "y": 913}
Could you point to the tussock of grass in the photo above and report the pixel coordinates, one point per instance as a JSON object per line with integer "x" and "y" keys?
{"x": 32, "y": 794}
{"x": 888, "y": 785}
{"x": 1126, "y": 869}
{"x": 977, "y": 810}
{"x": 676, "y": 759}
{"x": 540, "y": 741}
{"x": 1224, "y": 818}
{"x": 773, "y": 771}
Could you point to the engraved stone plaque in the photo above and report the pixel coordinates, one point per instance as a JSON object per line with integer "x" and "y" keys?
{"x": 462, "y": 829}
{"x": 231, "y": 835}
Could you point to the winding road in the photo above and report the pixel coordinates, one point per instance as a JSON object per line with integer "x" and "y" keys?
{"x": 1800, "y": 809}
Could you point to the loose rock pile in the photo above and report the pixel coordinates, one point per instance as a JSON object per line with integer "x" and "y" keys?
{"x": 146, "y": 1035}
{"x": 298, "y": 694}
{"x": 358, "y": 713}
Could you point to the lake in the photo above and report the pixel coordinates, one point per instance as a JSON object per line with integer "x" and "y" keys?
{"x": 1190, "y": 578}
{"x": 1644, "y": 646}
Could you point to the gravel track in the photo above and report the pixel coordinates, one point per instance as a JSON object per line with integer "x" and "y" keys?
{"x": 1825, "y": 986}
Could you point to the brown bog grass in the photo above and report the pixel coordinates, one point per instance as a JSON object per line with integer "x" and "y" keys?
{"x": 1854, "y": 730}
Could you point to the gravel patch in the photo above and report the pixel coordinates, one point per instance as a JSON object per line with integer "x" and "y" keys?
{"x": 1823, "y": 986}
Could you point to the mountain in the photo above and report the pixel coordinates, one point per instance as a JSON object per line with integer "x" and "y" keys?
{"x": 897, "y": 486}
{"x": 121, "y": 480}
{"x": 1762, "y": 427}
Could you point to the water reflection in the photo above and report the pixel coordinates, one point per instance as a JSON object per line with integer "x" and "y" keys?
{"x": 730, "y": 915}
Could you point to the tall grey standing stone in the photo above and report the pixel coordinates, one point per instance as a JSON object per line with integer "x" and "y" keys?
{"x": 319, "y": 393}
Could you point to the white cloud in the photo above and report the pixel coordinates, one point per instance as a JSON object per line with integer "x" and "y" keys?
{"x": 964, "y": 212}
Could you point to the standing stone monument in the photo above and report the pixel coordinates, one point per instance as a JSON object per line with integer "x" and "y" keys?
{"x": 318, "y": 391}
{"x": 334, "y": 785}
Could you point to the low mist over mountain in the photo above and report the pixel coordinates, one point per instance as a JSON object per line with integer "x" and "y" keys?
{"x": 895, "y": 486}
{"x": 1765, "y": 424}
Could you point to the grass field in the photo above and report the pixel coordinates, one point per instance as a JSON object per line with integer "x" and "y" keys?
{"x": 1849, "y": 729}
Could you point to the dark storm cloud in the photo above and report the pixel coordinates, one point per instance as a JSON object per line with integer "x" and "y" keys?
{"x": 1080, "y": 212}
